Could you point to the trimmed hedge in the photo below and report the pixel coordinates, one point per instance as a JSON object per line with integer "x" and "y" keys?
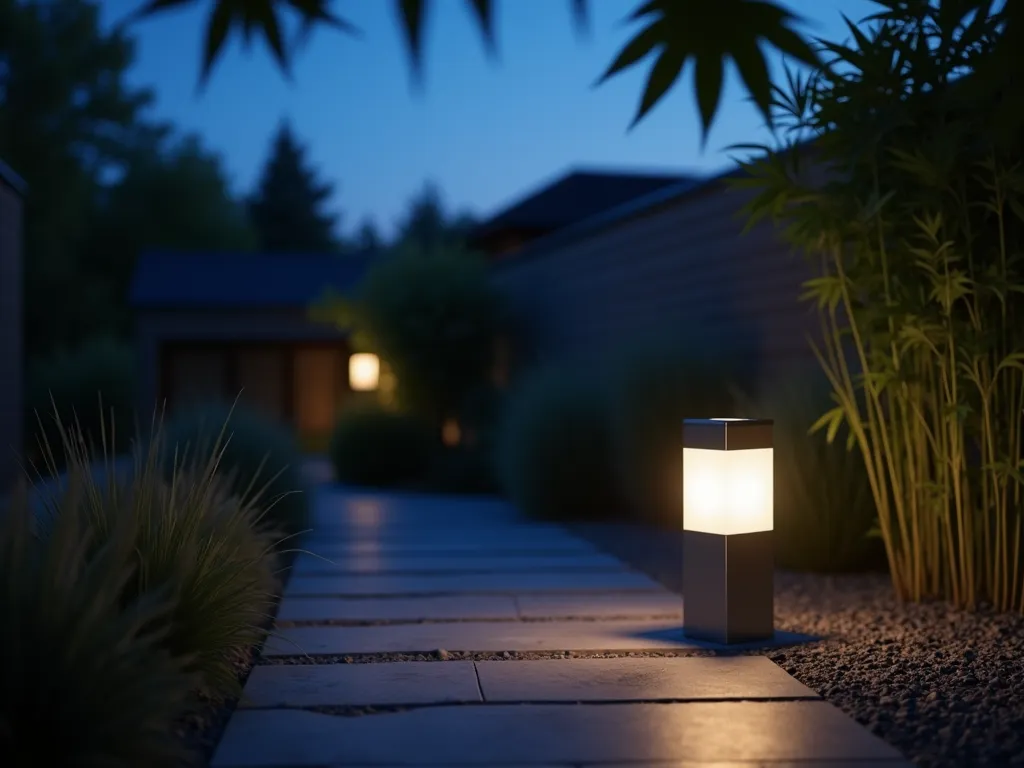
{"x": 554, "y": 449}
{"x": 376, "y": 447}
{"x": 77, "y": 381}
{"x": 259, "y": 455}
{"x": 653, "y": 389}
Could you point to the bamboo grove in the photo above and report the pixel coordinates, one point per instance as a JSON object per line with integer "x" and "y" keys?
{"x": 898, "y": 173}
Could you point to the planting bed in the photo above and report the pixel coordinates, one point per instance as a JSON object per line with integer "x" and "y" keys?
{"x": 945, "y": 687}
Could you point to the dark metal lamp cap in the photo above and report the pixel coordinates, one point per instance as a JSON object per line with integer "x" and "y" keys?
{"x": 727, "y": 434}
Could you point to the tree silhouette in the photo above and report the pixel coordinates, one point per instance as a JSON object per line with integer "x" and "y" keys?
{"x": 287, "y": 210}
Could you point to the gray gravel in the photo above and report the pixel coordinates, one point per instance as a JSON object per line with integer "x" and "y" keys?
{"x": 945, "y": 687}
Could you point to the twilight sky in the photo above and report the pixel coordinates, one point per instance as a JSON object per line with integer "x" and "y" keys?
{"x": 485, "y": 132}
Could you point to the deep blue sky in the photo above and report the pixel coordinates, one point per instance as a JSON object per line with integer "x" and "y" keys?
{"x": 484, "y": 132}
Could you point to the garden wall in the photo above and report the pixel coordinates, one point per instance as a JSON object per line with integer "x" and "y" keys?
{"x": 680, "y": 265}
{"x": 11, "y": 346}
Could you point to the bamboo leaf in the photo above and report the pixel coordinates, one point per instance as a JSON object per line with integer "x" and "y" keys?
{"x": 831, "y": 421}
{"x": 580, "y": 17}
{"x": 708, "y": 72}
{"x": 634, "y": 51}
{"x": 483, "y": 10}
{"x": 216, "y": 33}
{"x": 412, "y": 17}
{"x": 664, "y": 73}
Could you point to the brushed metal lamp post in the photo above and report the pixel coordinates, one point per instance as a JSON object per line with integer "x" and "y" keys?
{"x": 728, "y": 517}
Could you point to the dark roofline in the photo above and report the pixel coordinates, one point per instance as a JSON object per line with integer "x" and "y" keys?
{"x": 13, "y": 180}
{"x": 607, "y": 219}
{"x": 558, "y": 177}
{"x": 625, "y": 211}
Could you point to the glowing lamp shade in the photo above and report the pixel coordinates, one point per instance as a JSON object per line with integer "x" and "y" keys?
{"x": 728, "y": 492}
{"x": 364, "y": 372}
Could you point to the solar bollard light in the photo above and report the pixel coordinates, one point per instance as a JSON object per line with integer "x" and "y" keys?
{"x": 728, "y": 517}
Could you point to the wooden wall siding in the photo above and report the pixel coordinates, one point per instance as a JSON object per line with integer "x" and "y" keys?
{"x": 686, "y": 265}
{"x": 11, "y": 350}
{"x": 154, "y": 327}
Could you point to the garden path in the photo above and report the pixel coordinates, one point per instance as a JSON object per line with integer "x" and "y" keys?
{"x": 448, "y": 632}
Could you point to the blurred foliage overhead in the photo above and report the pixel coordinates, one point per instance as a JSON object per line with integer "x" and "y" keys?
{"x": 677, "y": 31}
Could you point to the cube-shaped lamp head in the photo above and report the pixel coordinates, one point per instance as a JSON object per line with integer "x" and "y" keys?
{"x": 363, "y": 372}
{"x": 728, "y": 476}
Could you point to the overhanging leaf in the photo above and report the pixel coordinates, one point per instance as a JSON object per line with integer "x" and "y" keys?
{"x": 708, "y": 86}
{"x": 411, "y": 15}
{"x": 663, "y": 75}
{"x": 733, "y": 29}
{"x": 484, "y": 12}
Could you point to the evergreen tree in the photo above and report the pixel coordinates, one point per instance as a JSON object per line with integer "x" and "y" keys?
{"x": 368, "y": 238}
{"x": 287, "y": 210}
{"x": 428, "y": 226}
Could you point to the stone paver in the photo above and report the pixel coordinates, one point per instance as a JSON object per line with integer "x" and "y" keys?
{"x": 335, "y": 549}
{"x": 413, "y": 682}
{"x": 417, "y": 574}
{"x": 503, "y": 734}
{"x": 491, "y": 637}
{"x": 446, "y": 608}
{"x": 523, "y": 533}
{"x": 637, "y": 679}
{"x": 609, "y": 581}
{"x": 639, "y": 605}
{"x": 390, "y": 563}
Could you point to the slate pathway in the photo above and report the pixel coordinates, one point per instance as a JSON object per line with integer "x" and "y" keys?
{"x": 447, "y": 633}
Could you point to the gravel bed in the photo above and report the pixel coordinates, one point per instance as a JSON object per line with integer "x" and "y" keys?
{"x": 945, "y": 687}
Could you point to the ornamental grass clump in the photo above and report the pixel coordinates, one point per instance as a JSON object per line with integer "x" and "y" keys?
{"x": 913, "y": 217}
{"x": 87, "y": 676}
{"x": 208, "y": 547}
{"x": 258, "y": 457}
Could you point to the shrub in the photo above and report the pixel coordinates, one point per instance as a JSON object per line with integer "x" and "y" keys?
{"x": 87, "y": 677}
{"x": 824, "y": 508}
{"x": 193, "y": 537}
{"x": 553, "y": 449}
{"x": 653, "y": 388}
{"x": 259, "y": 456}
{"x": 469, "y": 467}
{"x": 77, "y": 381}
{"x": 375, "y": 447}
{"x": 433, "y": 316}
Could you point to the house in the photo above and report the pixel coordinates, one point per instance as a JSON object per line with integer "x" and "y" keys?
{"x": 673, "y": 260}
{"x": 574, "y": 197}
{"x": 212, "y": 325}
{"x": 591, "y": 263}
{"x": 12, "y": 190}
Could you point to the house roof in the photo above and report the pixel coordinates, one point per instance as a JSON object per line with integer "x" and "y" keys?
{"x": 179, "y": 280}
{"x": 11, "y": 179}
{"x": 628, "y": 209}
{"x": 574, "y": 197}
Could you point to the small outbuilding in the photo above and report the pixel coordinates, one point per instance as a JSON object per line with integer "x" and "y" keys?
{"x": 213, "y": 326}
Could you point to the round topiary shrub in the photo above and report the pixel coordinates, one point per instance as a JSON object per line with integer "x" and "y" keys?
{"x": 92, "y": 385}
{"x": 380, "y": 448}
{"x": 553, "y": 449}
{"x": 259, "y": 456}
